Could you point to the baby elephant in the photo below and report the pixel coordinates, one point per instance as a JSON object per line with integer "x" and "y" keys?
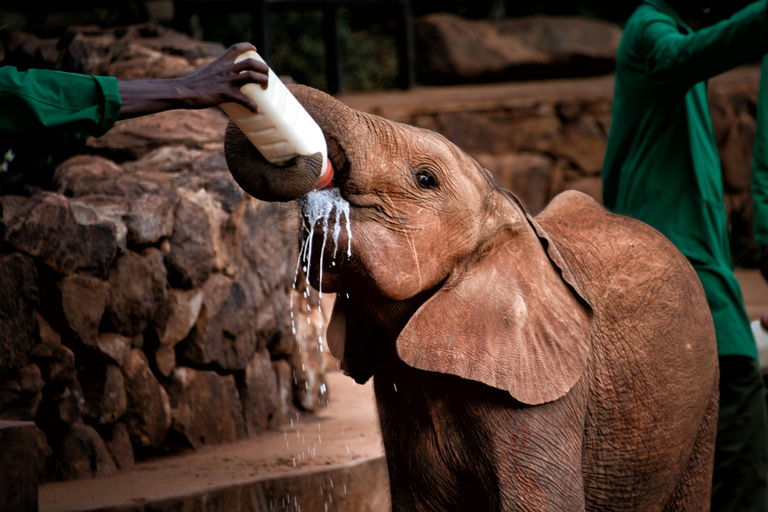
{"x": 564, "y": 362}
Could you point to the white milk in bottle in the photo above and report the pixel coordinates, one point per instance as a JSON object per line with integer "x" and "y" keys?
{"x": 282, "y": 129}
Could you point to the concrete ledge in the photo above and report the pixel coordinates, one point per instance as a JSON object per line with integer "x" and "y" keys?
{"x": 359, "y": 486}
{"x": 18, "y": 466}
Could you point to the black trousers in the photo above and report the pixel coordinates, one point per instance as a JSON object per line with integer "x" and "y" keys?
{"x": 740, "y": 480}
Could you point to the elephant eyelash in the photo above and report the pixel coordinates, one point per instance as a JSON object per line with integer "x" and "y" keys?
{"x": 425, "y": 179}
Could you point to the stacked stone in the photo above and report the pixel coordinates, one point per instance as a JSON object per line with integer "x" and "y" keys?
{"x": 145, "y": 305}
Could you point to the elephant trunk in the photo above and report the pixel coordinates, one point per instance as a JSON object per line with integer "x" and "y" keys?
{"x": 269, "y": 182}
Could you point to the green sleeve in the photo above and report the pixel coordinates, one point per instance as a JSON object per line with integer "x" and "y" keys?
{"x": 677, "y": 57}
{"x": 760, "y": 163}
{"x": 40, "y": 101}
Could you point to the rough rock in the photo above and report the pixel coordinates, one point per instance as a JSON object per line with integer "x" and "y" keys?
{"x": 137, "y": 62}
{"x": 191, "y": 257}
{"x": 133, "y": 138}
{"x": 46, "y": 332}
{"x": 260, "y": 395}
{"x": 138, "y": 285}
{"x": 529, "y": 176}
{"x": 205, "y": 407}
{"x": 308, "y": 362}
{"x": 18, "y": 466}
{"x": 149, "y": 218}
{"x": 148, "y": 415}
{"x": 217, "y": 219}
{"x": 221, "y": 335}
{"x": 166, "y": 159}
{"x": 115, "y": 346}
{"x": 20, "y": 393}
{"x": 99, "y": 209}
{"x": 86, "y": 175}
{"x": 18, "y": 300}
{"x": 74, "y": 306}
{"x": 460, "y": 50}
{"x": 178, "y": 315}
{"x": 59, "y": 409}
{"x": 56, "y": 363}
{"x": 173, "y": 322}
{"x": 176, "y": 43}
{"x": 82, "y": 454}
{"x": 104, "y": 393}
{"x": 118, "y": 443}
{"x": 44, "y": 228}
{"x": 285, "y": 381}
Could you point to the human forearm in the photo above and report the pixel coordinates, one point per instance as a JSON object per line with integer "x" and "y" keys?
{"x": 216, "y": 83}
{"x": 675, "y": 58}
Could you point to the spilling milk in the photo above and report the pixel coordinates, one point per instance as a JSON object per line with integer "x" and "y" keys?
{"x": 317, "y": 208}
{"x": 282, "y": 129}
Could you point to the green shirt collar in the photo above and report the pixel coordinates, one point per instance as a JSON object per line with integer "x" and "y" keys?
{"x": 662, "y": 6}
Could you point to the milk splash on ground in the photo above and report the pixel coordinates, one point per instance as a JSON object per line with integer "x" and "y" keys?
{"x": 318, "y": 206}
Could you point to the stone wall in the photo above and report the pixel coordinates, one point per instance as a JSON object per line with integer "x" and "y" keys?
{"x": 145, "y": 304}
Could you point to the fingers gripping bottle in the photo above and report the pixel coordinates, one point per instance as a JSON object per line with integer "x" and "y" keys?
{"x": 282, "y": 129}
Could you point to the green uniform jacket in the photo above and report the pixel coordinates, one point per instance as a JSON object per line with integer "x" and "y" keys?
{"x": 661, "y": 164}
{"x": 760, "y": 163}
{"x": 41, "y": 100}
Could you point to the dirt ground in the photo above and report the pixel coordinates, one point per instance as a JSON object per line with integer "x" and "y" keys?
{"x": 346, "y": 431}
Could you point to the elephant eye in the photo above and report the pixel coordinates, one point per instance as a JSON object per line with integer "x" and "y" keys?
{"x": 425, "y": 179}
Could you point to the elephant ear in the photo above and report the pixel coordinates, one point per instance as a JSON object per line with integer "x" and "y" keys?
{"x": 354, "y": 338}
{"x": 516, "y": 319}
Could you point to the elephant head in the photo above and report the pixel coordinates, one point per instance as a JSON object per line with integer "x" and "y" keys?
{"x": 444, "y": 264}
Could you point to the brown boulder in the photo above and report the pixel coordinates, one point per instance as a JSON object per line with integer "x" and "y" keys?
{"x": 89, "y": 175}
{"x": 136, "y": 61}
{"x": 82, "y": 454}
{"x": 148, "y": 415}
{"x": 20, "y": 393}
{"x": 284, "y": 375}
{"x": 18, "y": 466}
{"x": 528, "y": 176}
{"x": 18, "y": 300}
{"x": 173, "y": 322}
{"x": 133, "y": 138}
{"x": 260, "y": 395}
{"x": 191, "y": 258}
{"x": 84, "y": 175}
{"x": 205, "y": 407}
{"x": 308, "y": 362}
{"x": 115, "y": 346}
{"x": 119, "y": 446}
{"x": 56, "y": 362}
{"x": 460, "y": 50}
{"x": 221, "y": 335}
{"x": 138, "y": 287}
{"x": 74, "y": 306}
{"x": 149, "y": 218}
{"x": 44, "y": 228}
{"x": 59, "y": 409}
{"x": 104, "y": 393}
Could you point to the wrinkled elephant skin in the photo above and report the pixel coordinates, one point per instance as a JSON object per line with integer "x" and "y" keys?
{"x": 564, "y": 362}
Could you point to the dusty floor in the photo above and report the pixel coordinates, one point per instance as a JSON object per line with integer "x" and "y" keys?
{"x": 347, "y": 431}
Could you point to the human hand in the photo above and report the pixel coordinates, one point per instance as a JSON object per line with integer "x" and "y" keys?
{"x": 220, "y": 81}
{"x": 764, "y": 321}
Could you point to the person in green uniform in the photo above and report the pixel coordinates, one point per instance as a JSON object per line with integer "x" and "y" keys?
{"x": 45, "y": 101}
{"x": 662, "y": 167}
{"x": 760, "y": 174}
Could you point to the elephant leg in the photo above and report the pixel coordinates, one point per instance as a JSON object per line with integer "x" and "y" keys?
{"x": 695, "y": 485}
